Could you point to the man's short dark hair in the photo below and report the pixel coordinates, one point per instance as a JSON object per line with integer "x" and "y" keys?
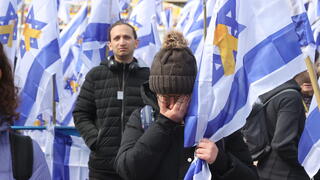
{"x": 122, "y": 23}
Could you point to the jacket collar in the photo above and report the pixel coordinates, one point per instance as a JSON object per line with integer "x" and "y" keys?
{"x": 149, "y": 97}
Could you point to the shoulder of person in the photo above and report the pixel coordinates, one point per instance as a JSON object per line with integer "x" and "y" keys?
{"x": 135, "y": 118}
{"x": 96, "y": 71}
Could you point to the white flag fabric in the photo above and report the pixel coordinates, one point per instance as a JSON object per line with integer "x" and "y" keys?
{"x": 70, "y": 156}
{"x": 8, "y": 28}
{"x": 71, "y": 76}
{"x": 309, "y": 145}
{"x": 38, "y": 60}
{"x": 146, "y": 27}
{"x": 66, "y": 154}
{"x": 94, "y": 39}
{"x": 83, "y": 46}
{"x": 246, "y": 54}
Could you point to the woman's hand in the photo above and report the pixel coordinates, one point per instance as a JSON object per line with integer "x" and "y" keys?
{"x": 207, "y": 150}
{"x": 172, "y": 108}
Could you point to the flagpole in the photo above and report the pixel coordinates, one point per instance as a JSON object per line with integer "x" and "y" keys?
{"x": 313, "y": 79}
{"x": 205, "y": 19}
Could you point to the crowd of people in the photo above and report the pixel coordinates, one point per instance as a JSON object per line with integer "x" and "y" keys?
{"x": 110, "y": 116}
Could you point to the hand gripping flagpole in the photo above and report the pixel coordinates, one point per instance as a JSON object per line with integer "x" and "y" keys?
{"x": 313, "y": 79}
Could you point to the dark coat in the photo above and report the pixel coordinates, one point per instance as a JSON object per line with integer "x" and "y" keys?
{"x": 158, "y": 152}
{"x": 97, "y": 113}
{"x": 285, "y": 118}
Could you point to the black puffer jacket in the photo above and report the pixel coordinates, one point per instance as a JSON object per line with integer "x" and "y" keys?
{"x": 285, "y": 122}
{"x": 158, "y": 153}
{"x": 97, "y": 114}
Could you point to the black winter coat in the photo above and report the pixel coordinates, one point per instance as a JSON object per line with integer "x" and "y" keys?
{"x": 158, "y": 153}
{"x": 97, "y": 113}
{"x": 285, "y": 118}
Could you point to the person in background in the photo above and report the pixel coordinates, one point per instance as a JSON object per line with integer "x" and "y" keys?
{"x": 285, "y": 119}
{"x": 155, "y": 150}
{"x": 8, "y": 104}
{"x": 108, "y": 96}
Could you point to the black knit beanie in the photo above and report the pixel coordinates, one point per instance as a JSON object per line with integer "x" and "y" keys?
{"x": 174, "y": 67}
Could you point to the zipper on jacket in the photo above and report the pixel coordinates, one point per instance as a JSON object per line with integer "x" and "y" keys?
{"x": 123, "y": 106}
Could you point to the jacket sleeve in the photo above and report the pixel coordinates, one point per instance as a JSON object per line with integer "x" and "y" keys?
{"x": 289, "y": 126}
{"x": 141, "y": 152}
{"x": 84, "y": 113}
{"x": 234, "y": 161}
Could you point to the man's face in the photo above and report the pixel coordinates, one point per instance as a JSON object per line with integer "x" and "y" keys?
{"x": 122, "y": 43}
{"x": 306, "y": 86}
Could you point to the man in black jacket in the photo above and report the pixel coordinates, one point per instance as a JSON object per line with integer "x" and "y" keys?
{"x": 285, "y": 118}
{"x": 156, "y": 152}
{"x": 108, "y": 96}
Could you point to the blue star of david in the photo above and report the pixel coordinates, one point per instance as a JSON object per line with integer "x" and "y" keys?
{"x": 11, "y": 15}
{"x": 68, "y": 83}
{"x": 35, "y": 24}
{"x": 135, "y": 22}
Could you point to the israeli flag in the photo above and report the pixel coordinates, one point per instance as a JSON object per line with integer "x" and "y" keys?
{"x": 192, "y": 25}
{"x": 124, "y": 4}
{"x": 103, "y": 14}
{"x": 309, "y": 145}
{"x": 313, "y": 11}
{"x": 167, "y": 18}
{"x": 146, "y": 27}
{"x": 314, "y": 18}
{"x": 8, "y": 28}
{"x": 83, "y": 46}
{"x": 38, "y": 60}
{"x": 66, "y": 154}
{"x": 245, "y": 55}
{"x": 71, "y": 76}
{"x": 70, "y": 156}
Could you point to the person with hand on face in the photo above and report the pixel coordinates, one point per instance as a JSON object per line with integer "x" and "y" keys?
{"x": 154, "y": 150}
{"x": 108, "y": 96}
{"x": 31, "y": 166}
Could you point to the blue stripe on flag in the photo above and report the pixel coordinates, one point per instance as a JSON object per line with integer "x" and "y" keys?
{"x": 303, "y": 29}
{"x": 96, "y": 32}
{"x": 190, "y": 128}
{"x": 198, "y": 25}
{"x": 89, "y": 54}
{"x": 61, "y": 154}
{"x": 279, "y": 48}
{"x": 195, "y": 168}
{"x": 68, "y": 61}
{"x": 103, "y": 52}
{"x": 47, "y": 56}
{"x": 195, "y": 43}
{"x": 73, "y": 29}
{"x": 147, "y": 39}
{"x": 68, "y": 117}
{"x": 309, "y": 136}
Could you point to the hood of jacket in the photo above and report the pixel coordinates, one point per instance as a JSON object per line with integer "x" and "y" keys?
{"x": 291, "y": 84}
{"x": 148, "y": 97}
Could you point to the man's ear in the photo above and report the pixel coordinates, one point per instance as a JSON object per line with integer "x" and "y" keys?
{"x": 136, "y": 43}
{"x": 109, "y": 45}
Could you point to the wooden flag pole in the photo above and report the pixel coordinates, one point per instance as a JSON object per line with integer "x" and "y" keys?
{"x": 313, "y": 79}
{"x": 54, "y": 110}
{"x": 205, "y": 19}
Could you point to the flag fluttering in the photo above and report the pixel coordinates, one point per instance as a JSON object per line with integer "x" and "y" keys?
{"x": 245, "y": 55}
